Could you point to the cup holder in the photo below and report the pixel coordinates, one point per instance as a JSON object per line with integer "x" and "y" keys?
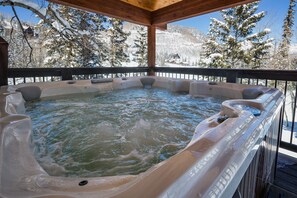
{"x": 255, "y": 111}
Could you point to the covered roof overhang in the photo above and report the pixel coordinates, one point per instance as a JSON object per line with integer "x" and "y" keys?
{"x": 152, "y": 12}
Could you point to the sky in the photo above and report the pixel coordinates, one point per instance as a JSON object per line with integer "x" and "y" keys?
{"x": 24, "y": 14}
{"x": 275, "y": 13}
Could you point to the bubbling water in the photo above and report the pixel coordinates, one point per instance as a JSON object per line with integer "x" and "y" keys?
{"x": 116, "y": 133}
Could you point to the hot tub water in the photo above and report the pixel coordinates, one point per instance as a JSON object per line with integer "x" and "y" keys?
{"x": 115, "y": 133}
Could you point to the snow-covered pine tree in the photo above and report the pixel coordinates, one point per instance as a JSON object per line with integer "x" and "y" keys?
{"x": 282, "y": 59}
{"x": 90, "y": 27}
{"x": 231, "y": 40}
{"x": 1, "y": 25}
{"x": 117, "y": 45}
{"x": 287, "y": 29}
{"x": 60, "y": 51}
{"x": 258, "y": 52}
{"x": 70, "y": 43}
{"x": 18, "y": 48}
{"x": 83, "y": 46}
{"x": 212, "y": 54}
{"x": 140, "y": 43}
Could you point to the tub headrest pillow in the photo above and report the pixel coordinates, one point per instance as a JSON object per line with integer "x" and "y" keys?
{"x": 251, "y": 93}
{"x": 30, "y": 92}
{"x": 147, "y": 82}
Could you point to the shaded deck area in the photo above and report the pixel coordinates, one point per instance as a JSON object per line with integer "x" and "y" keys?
{"x": 285, "y": 184}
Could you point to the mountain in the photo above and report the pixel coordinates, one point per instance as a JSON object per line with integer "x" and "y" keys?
{"x": 178, "y": 45}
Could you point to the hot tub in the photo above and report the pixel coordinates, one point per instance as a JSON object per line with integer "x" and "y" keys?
{"x": 212, "y": 164}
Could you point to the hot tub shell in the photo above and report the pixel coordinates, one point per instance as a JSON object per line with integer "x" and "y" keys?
{"x": 212, "y": 165}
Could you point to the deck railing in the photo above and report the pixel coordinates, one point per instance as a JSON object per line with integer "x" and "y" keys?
{"x": 27, "y": 75}
{"x": 286, "y": 81}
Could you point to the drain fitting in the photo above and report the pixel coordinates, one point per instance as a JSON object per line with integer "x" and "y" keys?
{"x": 83, "y": 183}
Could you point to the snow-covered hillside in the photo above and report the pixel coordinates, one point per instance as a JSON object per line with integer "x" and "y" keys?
{"x": 177, "y": 45}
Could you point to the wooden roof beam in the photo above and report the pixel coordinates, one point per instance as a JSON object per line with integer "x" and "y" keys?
{"x": 191, "y": 8}
{"x": 159, "y": 18}
{"x": 111, "y": 8}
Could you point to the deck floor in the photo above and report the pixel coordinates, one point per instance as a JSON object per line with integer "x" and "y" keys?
{"x": 285, "y": 184}
{"x": 286, "y": 178}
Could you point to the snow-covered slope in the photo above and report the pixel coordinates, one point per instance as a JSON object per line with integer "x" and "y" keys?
{"x": 176, "y": 40}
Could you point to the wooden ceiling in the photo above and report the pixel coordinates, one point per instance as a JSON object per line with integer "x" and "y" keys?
{"x": 152, "y": 12}
{"x": 151, "y": 5}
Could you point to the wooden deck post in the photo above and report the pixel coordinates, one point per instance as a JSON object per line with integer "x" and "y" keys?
{"x": 3, "y": 62}
{"x": 66, "y": 74}
{"x": 232, "y": 77}
{"x": 151, "y": 49}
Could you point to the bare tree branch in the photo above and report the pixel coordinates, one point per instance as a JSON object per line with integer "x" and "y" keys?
{"x": 42, "y": 15}
{"x": 25, "y": 36}
{"x": 49, "y": 15}
{"x": 12, "y": 29}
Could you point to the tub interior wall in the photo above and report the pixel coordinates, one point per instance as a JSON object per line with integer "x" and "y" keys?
{"x": 194, "y": 88}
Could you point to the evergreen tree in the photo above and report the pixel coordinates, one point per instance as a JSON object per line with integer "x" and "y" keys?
{"x": 282, "y": 59}
{"x": 90, "y": 27}
{"x": 231, "y": 41}
{"x": 258, "y": 53}
{"x": 1, "y": 25}
{"x": 61, "y": 51}
{"x": 117, "y": 45}
{"x": 83, "y": 46}
{"x": 140, "y": 43}
{"x": 18, "y": 48}
{"x": 287, "y": 29}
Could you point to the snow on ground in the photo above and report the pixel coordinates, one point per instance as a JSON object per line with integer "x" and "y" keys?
{"x": 293, "y": 49}
{"x": 184, "y": 41}
{"x": 288, "y": 122}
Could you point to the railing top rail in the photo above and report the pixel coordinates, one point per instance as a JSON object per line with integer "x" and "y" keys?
{"x": 36, "y": 72}
{"x": 288, "y": 75}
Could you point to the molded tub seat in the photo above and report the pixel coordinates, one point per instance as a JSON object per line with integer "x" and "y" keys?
{"x": 218, "y": 154}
